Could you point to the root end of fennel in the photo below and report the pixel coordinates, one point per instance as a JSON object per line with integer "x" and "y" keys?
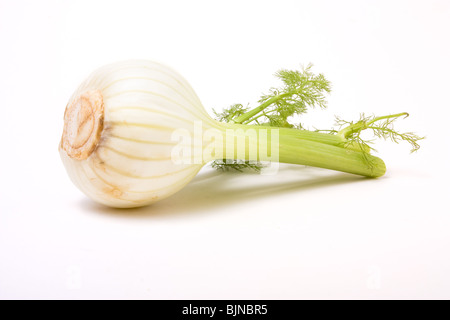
{"x": 83, "y": 124}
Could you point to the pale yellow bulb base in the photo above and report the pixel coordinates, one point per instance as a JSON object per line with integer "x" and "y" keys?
{"x": 83, "y": 125}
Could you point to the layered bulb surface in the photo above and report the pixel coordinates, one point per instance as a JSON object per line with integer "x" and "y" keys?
{"x": 118, "y": 138}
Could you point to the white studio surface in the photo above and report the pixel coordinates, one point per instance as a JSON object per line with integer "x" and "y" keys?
{"x": 304, "y": 233}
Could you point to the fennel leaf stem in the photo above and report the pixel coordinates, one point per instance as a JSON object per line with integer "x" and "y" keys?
{"x": 342, "y": 149}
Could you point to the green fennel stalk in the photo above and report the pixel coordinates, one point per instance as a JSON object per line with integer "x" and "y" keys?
{"x": 343, "y": 150}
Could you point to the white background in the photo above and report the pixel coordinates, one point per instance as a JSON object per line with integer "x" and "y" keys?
{"x": 304, "y": 233}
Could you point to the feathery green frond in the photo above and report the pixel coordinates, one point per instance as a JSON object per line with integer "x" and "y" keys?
{"x": 299, "y": 90}
{"x": 237, "y": 165}
{"x": 228, "y": 114}
{"x": 381, "y": 127}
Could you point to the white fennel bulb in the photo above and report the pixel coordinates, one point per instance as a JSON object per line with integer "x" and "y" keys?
{"x": 117, "y": 142}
